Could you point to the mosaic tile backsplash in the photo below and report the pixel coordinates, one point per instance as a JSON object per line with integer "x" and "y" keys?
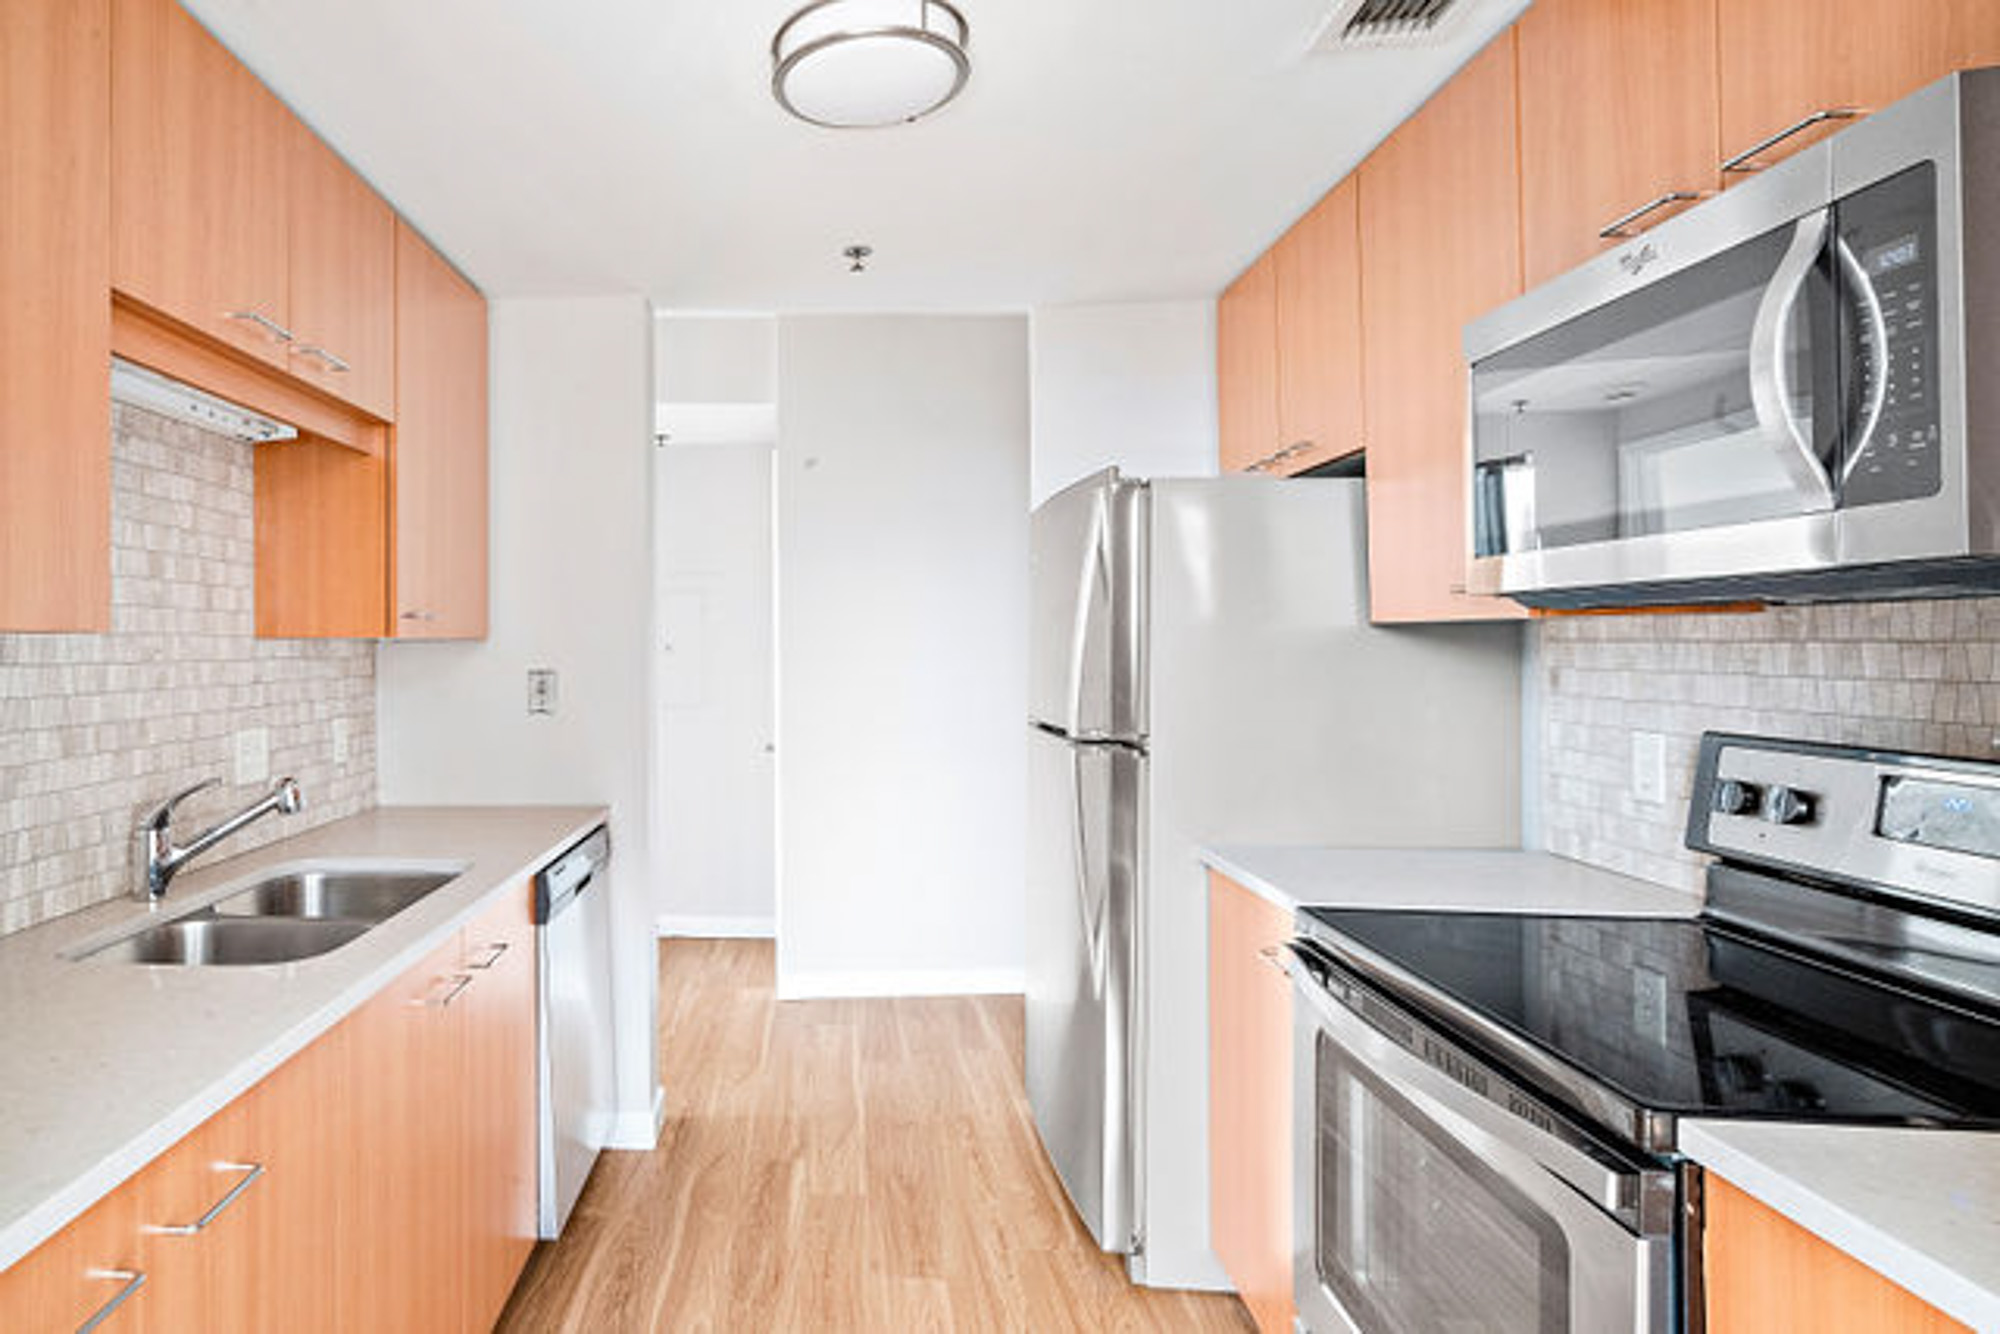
{"x": 94, "y": 728}
{"x": 1918, "y": 676}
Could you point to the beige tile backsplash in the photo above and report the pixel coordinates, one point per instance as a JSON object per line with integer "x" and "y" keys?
{"x": 1920, "y": 676}
{"x": 95, "y": 727}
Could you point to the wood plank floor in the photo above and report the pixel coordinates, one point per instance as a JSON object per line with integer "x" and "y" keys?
{"x": 833, "y": 1166}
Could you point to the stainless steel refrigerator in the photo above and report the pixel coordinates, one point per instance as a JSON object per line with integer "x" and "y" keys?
{"x": 1202, "y": 672}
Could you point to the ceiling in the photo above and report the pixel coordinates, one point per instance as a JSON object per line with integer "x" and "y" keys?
{"x": 1114, "y": 150}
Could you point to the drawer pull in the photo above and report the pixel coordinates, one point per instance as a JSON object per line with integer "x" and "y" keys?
{"x": 278, "y": 332}
{"x": 251, "y": 1171}
{"x": 1743, "y": 161}
{"x": 495, "y": 950}
{"x": 133, "y": 1279}
{"x": 1621, "y": 227}
{"x": 451, "y": 993}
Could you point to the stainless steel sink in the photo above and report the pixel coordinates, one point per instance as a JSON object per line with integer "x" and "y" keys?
{"x": 203, "y": 939}
{"x": 345, "y": 895}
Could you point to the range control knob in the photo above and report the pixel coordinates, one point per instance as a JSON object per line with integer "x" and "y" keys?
{"x": 1737, "y": 798}
{"x": 1787, "y": 805}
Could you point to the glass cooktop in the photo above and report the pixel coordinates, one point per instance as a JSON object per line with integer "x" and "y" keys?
{"x": 1689, "y": 1017}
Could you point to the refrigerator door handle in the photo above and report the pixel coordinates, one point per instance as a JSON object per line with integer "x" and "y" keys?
{"x": 1093, "y": 588}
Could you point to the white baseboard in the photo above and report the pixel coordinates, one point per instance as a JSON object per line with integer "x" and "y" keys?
{"x": 715, "y": 928}
{"x": 847, "y": 986}
{"x": 639, "y": 1131}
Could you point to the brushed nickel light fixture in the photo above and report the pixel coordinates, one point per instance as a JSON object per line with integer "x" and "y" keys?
{"x": 860, "y": 64}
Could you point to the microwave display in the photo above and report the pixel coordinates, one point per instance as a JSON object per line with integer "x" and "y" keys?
{"x": 1902, "y": 251}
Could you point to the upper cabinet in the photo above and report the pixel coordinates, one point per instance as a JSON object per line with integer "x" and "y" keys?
{"x": 1793, "y": 69}
{"x": 1318, "y": 280}
{"x": 342, "y": 261}
{"x": 1440, "y": 243}
{"x": 199, "y": 151}
{"x": 438, "y": 565}
{"x": 1246, "y": 341}
{"x": 55, "y": 417}
{"x": 1618, "y": 122}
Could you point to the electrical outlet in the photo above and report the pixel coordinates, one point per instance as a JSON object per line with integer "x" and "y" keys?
{"x": 1649, "y": 1005}
{"x": 541, "y": 690}
{"x": 1649, "y": 768}
{"x": 342, "y": 743}
{"x": 253, "y": 756}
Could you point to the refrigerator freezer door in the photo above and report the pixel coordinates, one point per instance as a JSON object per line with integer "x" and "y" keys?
{"x": 1083, "y": 873}
{"x": 1088, "y": 610}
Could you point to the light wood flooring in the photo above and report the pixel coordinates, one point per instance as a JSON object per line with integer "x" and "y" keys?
{"x": 834, "y": 1166}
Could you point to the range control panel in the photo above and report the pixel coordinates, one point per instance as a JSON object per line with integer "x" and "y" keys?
{"x": 1926, "y": 826}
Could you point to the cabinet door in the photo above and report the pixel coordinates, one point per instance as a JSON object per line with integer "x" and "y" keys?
{"x": 500, "y": 1091}
{"x": 204, "y": 1227}
{"x": 1246, "y": 347}
{"x": 438, "y": 561}
{"x": 1318, "y": 281}
{"x": 342, "y": 250}
{"x": 55, "y": 320}
{"x": 1764, "y": 1274}
{"x": 1618, "y": 111}
{"x": 1250, "y": 1101}
{"x": 1440, "y": 215}
{"x": 90, "y": 1269}
{"x": 198, "y": 150}
{"x": 403, "y": 1269}
{"x": 300, "y": 1116}
{"x": 1785, "y": 60}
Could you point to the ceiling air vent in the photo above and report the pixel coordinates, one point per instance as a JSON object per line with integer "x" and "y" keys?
{"x": 1363, "y": 23}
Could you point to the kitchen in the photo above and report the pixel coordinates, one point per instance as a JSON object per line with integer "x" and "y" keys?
{"x": 400, "y": 490}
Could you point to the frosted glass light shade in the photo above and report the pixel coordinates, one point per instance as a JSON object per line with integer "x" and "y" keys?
{"x": 856, "y": 64}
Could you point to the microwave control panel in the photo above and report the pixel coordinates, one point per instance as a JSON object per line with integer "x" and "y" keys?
{"x": 1887, "y": 273}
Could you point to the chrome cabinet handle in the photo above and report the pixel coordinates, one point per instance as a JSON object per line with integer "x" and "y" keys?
{"x": 326, "y": 358}
{"x": 251, "y": 1172}
{"x": 1621, "y": 226}
{"x": 133, "y": 1279}
{"x": 1276, "y": 457}
{"x": 1275, "y": 955}
{"x": 1742, "y": 161}
{"x": 278, "y": 332}
{"x": 497, "y": 948}
{"x": 418, "y": 616}
{"x": 458, "y": 984}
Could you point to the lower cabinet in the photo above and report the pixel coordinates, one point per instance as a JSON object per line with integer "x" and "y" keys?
{"x": 1250, "y": 1100}
{"x": 1764, "y": 1274}
{"x": 383, "y": 1179}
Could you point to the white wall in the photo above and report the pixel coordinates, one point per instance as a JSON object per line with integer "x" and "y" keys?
{"x": 572, "y": 408}
{"x": 715, "y": 840}
{"x": 1131, "y": 385}
{"x": 902, "y": 653}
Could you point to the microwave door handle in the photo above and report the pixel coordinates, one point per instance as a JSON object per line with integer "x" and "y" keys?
{"x": 1878, "y": 333}
{"x": 1770, "y": 369}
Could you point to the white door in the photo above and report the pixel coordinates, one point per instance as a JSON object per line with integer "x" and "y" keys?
{"x": 713, "y": 665}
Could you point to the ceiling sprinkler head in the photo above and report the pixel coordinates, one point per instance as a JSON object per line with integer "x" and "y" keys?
{"x": 857, "y": 257}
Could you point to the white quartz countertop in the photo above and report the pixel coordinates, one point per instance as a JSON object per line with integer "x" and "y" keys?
{"x": 106, "y": 1064}
{"x": 1444, "y": 880}
{"x": 1921, "y": 1207}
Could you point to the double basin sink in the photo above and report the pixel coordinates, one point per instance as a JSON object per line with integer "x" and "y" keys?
{"x": 295, "y": 914}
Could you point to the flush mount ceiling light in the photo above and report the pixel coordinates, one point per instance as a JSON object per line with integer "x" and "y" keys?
{"x": 859, "y": 64}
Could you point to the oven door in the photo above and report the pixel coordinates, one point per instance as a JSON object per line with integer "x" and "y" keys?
{"x": 1422, "y": 1207}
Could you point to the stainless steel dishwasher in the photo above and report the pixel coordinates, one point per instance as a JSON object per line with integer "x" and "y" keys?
{"x": 573, "y": 1033}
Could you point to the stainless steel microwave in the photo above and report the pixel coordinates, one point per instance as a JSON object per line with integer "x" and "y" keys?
{"x": 1789, "y": 392}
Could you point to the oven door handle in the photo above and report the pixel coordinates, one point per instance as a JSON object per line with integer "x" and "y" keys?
{"x": 1552, "y": 1173}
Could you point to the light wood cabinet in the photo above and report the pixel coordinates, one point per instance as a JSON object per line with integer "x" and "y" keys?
{"x": 1440, "y": 243}
{"x": 55, "y": 417}
{"x": 199, "y": 151}
{"x": 1764, "y": 1274}
{"x": 1246, "y": 349}
{"x": 1250, "y": 1101}
{"x": 341, "y": 248}
{"x": 1318, "y": 300}
{"x": 500, "y": 1101}
{"x": 1785, "y": 60}
{"x": 439, "y": 528}
{"x": 203, "y": 1226}
{"x": 86, "y": 1269}
{"x": 1618, "y": 111}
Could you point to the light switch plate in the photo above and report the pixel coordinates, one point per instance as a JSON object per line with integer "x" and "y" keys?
{"x": 541, "y": 690}
{"x": 253, "y": 756}
{"x": 342, "y": 742}
{"x": 1649, "y": 767}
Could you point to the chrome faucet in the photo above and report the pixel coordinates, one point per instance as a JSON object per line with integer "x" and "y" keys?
{"x": 156, "y": 832}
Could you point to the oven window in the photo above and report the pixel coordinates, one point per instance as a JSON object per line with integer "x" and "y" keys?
{"x": 1414, "y": 1234}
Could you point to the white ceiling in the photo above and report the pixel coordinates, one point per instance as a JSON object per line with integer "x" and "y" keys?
{"x": 1104, "y": 149}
